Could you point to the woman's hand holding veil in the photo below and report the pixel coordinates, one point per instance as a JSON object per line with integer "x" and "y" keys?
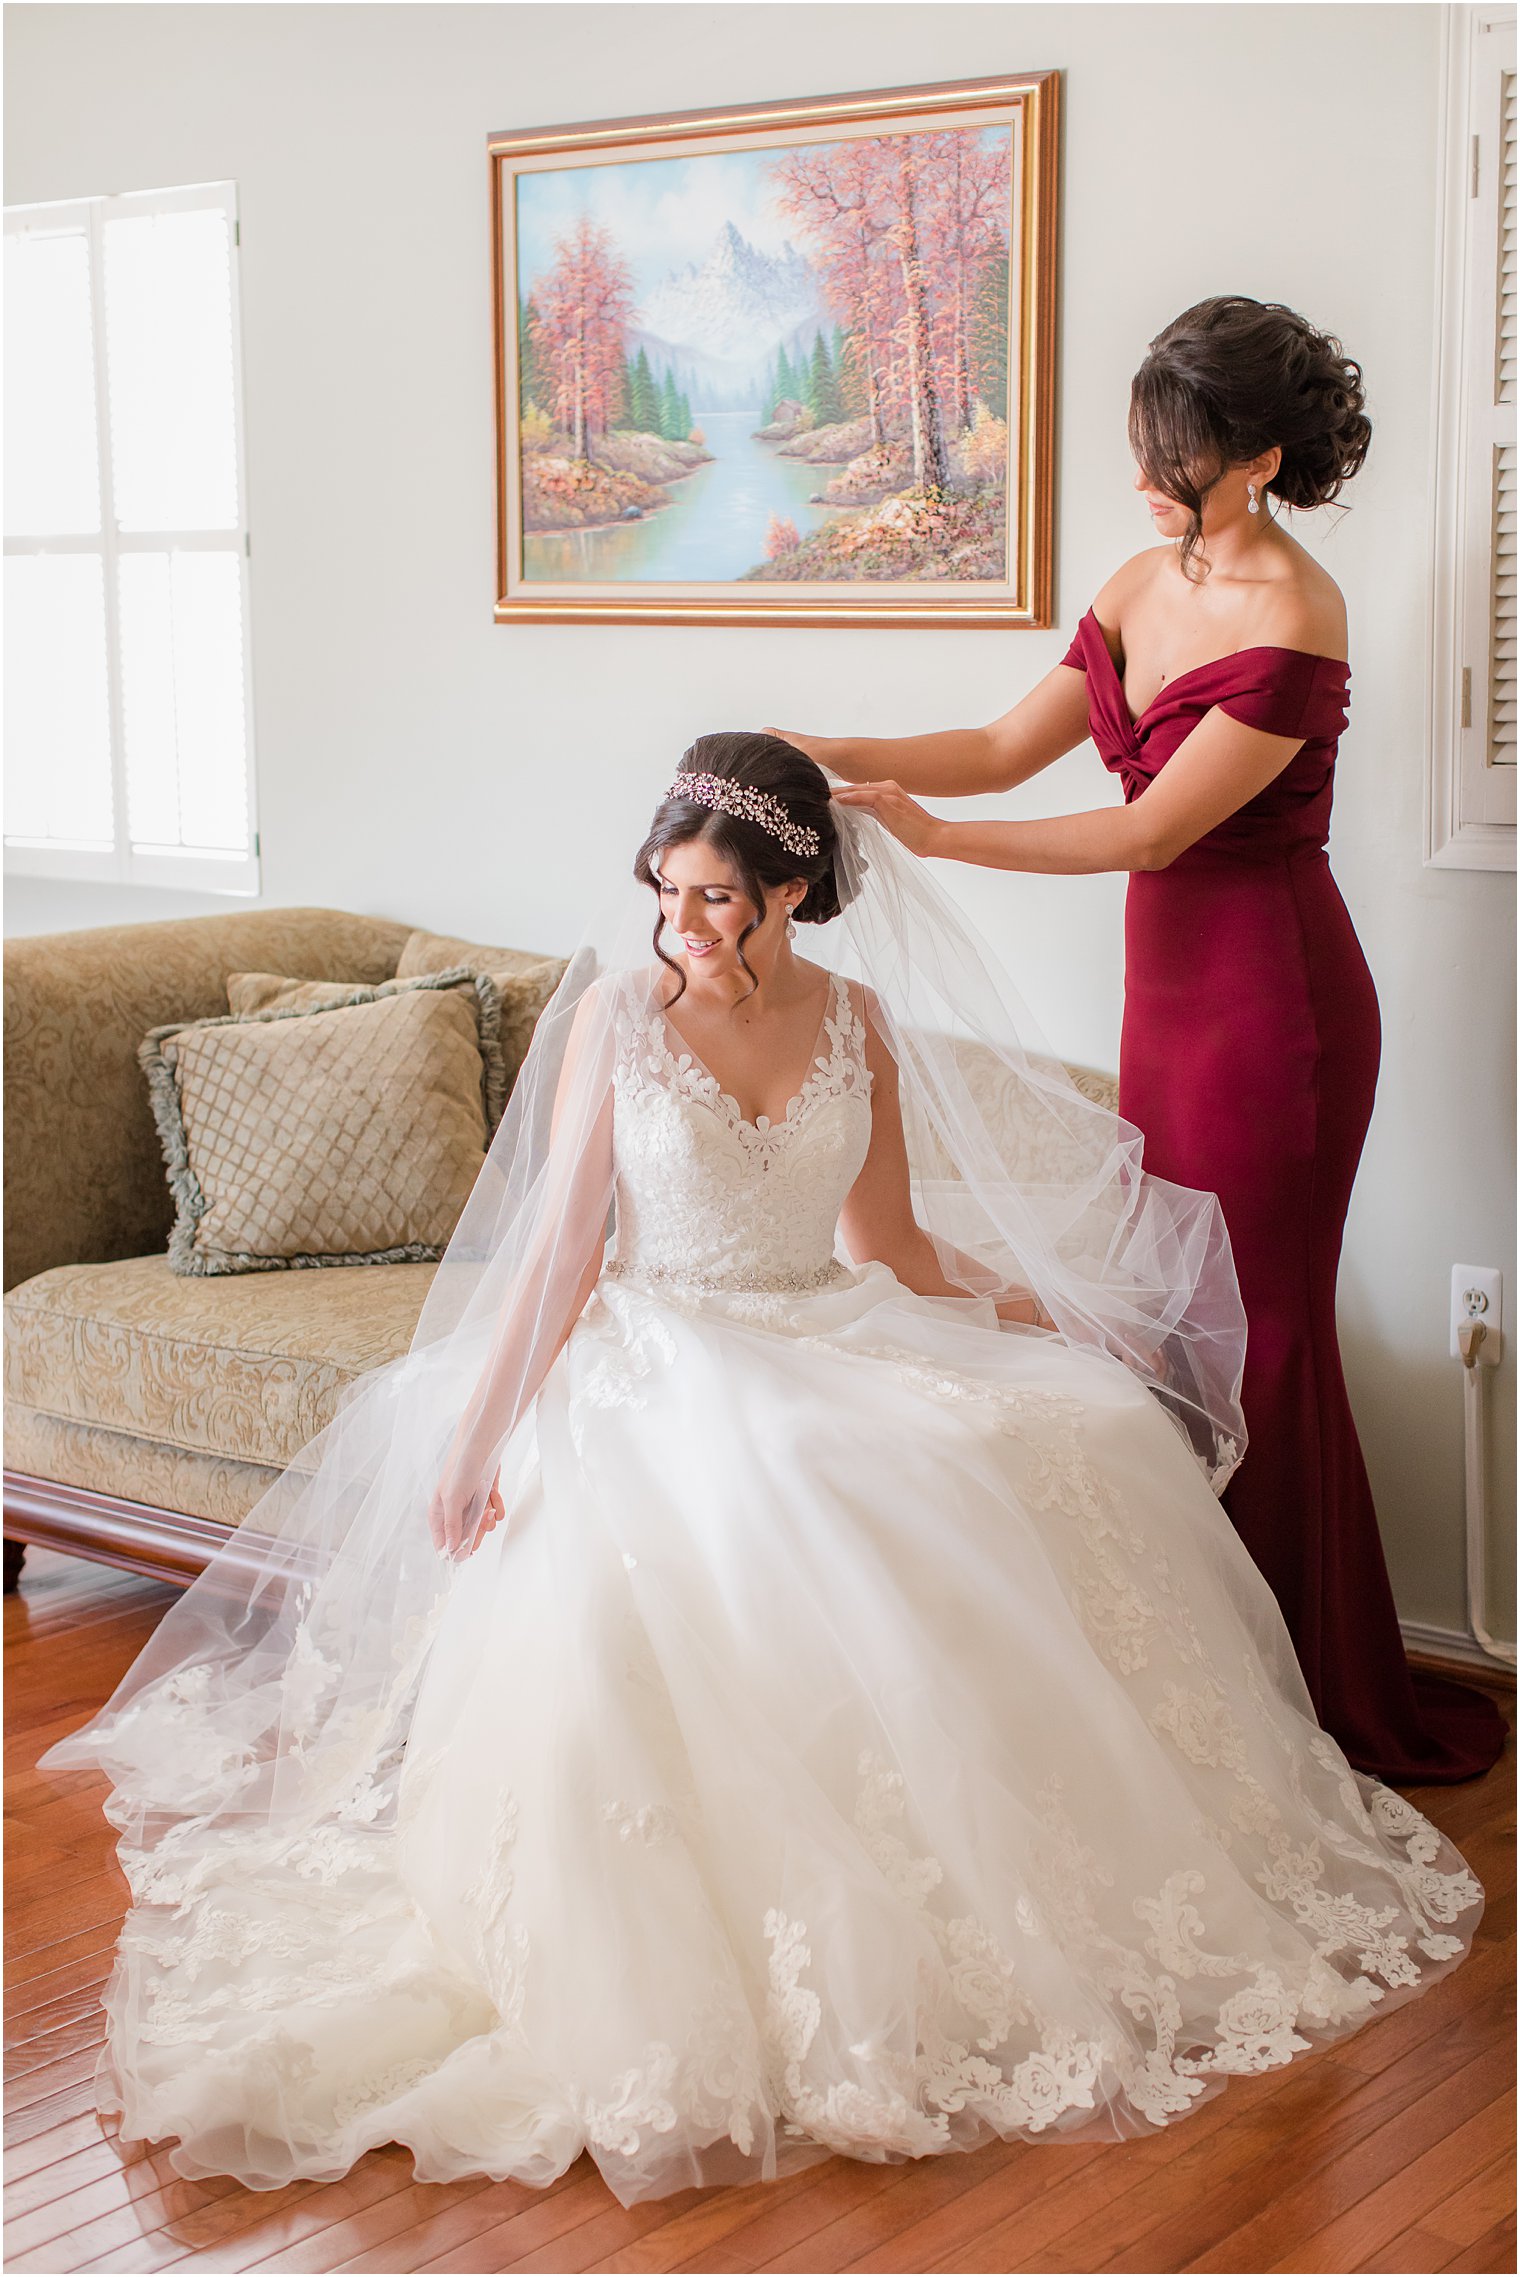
{"x": 911, "y": 824}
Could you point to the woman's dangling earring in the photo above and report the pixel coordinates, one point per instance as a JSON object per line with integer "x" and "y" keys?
{"x": 1252, "y": 507}
{"x": 791, "y": 926}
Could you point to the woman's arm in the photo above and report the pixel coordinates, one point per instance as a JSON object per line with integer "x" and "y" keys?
{"x": 959, "y": 762}
{"x": 549, "y": 1289}
{"x": 1215, "y": 771}
{"x": 877, "y": 1219}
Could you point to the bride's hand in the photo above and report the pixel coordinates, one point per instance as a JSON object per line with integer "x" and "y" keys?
{"x": 459, "y": 1519}
{"x": 1027, "y": 1311}
{"x": 917, "y": 829}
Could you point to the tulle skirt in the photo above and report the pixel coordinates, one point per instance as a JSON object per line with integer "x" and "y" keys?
{"x": 867, "y": 1734}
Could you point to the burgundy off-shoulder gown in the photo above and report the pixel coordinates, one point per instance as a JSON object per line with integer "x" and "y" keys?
{"x": 1249, "y": 1059}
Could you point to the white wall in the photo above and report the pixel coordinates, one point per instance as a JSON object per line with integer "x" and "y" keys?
{"x": 417, "y": 760}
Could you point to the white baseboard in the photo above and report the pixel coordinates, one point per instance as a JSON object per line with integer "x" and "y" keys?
{"x": 1451, "y": 1644}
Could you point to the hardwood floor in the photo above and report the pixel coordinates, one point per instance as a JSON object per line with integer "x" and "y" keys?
{"x": 1392, "y": 2151}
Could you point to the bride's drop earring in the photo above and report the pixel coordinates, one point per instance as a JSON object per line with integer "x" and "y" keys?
{"x": 791, "y": 926}
{"x": 1252, "y": 507}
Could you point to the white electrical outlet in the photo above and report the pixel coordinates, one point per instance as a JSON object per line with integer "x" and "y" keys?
{"x": 1477, "y": 1293}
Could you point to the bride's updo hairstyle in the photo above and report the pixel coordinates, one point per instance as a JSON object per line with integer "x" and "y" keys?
{"x": 1225, "y": 381}
{"x": 759, "y": 859}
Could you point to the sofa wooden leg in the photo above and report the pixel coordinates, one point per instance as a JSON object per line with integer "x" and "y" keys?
{"x": 14, "y": 1553}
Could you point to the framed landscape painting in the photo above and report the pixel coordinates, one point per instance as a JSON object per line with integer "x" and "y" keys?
{"x": 788, "y": 364}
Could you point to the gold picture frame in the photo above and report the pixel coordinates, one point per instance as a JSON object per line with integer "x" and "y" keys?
{"x": 870, "y": 220}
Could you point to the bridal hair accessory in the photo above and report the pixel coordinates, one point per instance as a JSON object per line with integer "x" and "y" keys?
{"x": 748, "y": 805}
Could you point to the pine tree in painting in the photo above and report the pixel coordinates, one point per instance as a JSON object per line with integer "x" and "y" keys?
{"x": 989, "y": 338}
{"x": 822, "y": 386}
{"x": 643, "y": 396}
{"x": 532, "y": 376}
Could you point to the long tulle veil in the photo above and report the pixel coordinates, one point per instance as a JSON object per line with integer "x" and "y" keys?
{"x": 276, "y": 1692}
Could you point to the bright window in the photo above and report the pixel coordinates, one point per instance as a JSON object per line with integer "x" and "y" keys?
{"x": 128, "y": 743}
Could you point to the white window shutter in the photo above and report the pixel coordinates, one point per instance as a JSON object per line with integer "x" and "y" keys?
{"x": 1471, "y": 770}
{"x": 1501, "y": 631}
{"x": 1501, "y": 634}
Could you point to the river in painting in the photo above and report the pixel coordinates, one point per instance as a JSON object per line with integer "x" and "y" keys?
{"x": 713, "y": 528}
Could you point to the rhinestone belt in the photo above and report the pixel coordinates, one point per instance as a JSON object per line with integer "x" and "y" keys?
{"x": 787, "y": 1284}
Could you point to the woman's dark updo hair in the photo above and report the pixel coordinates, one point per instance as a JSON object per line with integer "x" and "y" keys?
{"x": 761, "y": 763}
{"x": 1225, "y": 381}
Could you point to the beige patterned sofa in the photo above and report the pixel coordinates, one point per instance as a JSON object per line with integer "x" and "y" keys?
{"x": 146, "y": 1410}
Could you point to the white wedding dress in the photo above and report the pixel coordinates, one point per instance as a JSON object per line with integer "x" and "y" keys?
{"x": 866, "y": 1734}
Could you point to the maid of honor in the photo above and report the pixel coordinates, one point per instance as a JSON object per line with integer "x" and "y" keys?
{"x": 1211, "y": 674}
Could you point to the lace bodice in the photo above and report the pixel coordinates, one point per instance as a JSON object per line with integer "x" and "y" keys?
{"x": 706, "y": 1198}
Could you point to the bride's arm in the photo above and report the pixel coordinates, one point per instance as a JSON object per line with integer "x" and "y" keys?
{"x": 877, "y": 1219}
{"x": 549, "y": 1289}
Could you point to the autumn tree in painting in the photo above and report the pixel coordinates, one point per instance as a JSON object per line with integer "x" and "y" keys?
{"x": 906, "y": 236}
{"x": 909, "y": 234}
{"x": 968, "y": 255}
{"x": 583, "y": 308}
{"x": 833, "y": 193}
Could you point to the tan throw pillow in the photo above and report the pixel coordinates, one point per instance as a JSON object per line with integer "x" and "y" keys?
{"x": 344, "y": 1130}
{"x": 272, "y": 991}
{"x": 525, "y": 979}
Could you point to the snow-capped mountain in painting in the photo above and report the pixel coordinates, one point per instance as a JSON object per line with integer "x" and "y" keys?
{"x": 737, "y": 303}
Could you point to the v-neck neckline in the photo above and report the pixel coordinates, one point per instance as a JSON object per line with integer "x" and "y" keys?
{"x": 1256, "y": 648}
{"x": 817, "y": 1065}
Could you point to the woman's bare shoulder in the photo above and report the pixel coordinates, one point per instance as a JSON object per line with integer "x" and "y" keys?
{"x": 1129, "y": 581}
{"x": 1305, "y": 609}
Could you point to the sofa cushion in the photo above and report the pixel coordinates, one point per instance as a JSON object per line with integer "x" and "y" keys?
{"x": 526, "y": 981}
{"x": 344, "y": 1132}
{"x": 84, "y": 1170}
{"x": 252, "y": 992}
{"x": 245, "y": 1369}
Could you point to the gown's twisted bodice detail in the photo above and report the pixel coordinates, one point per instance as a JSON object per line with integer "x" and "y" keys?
{"x": 707, "y": 1199}
{"x": 1285, "y": 691}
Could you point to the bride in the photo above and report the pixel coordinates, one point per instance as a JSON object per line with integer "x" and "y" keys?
{"x": 766, "y": 1674}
